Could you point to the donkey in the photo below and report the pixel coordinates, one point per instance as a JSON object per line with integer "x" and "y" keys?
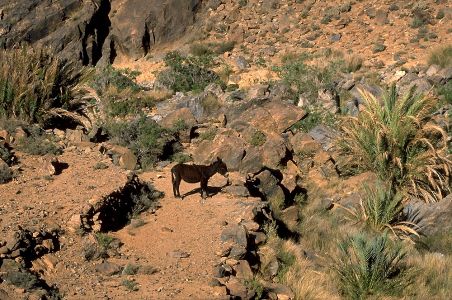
{"x": 196, "y": 173}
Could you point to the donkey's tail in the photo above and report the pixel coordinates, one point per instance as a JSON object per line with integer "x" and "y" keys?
{"x": 173, "y": 179}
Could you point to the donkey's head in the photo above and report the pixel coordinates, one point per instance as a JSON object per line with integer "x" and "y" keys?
{"x": 220, "y": 167}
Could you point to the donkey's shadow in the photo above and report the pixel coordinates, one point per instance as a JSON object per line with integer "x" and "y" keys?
{"x": 211, "y": 190}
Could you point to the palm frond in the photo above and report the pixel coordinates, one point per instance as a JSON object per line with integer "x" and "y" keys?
{"x": 396, "y": 139}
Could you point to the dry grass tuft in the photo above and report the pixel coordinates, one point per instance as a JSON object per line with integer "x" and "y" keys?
{"x": 434, "y": 276}
{"x": 305, "y": 281}
{"x": 34, "y": 81}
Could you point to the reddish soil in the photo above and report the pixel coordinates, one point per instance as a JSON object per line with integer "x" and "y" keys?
{"x": 179, "y": 225}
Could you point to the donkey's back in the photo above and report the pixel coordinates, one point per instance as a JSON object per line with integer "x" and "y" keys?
{"x": 189, "y": 173}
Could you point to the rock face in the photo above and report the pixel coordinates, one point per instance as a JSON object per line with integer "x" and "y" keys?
{"x": 138, "y": 25}
{"x": 91, "y": 31}
{"x": 76, "y": 29}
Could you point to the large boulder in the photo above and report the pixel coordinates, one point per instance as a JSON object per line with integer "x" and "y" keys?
{"x": 123, "y": 156}
{"x": 252, "y": 162}
{"x": 230, "y": 148}
{"x": 183, "y": 114}
{"x": 324, "y": 135}
{"x": 435, "y": 218}
{"x": 180, "y": 115}
{"x": 269, "y": 186}
{"x": 139, "y": 25}
{"x": 236, "y": 234}
{"x": 274, "y": 151}
{"x": 273, "y": 117}
{"x": 304, "y": 144}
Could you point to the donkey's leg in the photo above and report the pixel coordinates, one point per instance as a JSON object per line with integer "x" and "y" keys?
{"x": 204, "y": 193}
{"x": 173, "y": 181}
{"x": 177, "y": 185}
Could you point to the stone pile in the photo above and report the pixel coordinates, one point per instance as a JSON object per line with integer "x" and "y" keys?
{"x": 239, "y": 260}
{"x": 25, "y": 245}
{"x": 112, "y": 211}
{"x": 20, "y": 254}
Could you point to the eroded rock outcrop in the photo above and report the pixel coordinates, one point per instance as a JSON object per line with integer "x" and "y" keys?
{"x": 94, "y": 31}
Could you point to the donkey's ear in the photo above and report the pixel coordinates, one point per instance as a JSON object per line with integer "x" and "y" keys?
{"x": 218, "y": 158}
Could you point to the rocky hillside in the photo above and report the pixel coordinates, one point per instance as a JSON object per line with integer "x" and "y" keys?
{"x": 379, "y": 31}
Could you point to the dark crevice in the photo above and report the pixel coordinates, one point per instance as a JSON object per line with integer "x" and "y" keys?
{"x": 287, "y": 157}
{"x": 170, "y": 148}
{"x": 96, "y": 32}
{"x": 146, "y": 40}
{"x": 113, "y": 52}
{"x": 285, "y": 233}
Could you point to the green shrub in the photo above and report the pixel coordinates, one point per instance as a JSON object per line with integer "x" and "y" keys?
{"x": 243, "y": 3}
{"x": 260, "y": 61}
{"x": 258, "y": 138}
{"x": 446, "y": 92}
{"x": 179, "y": 126}
{"x": 146, "y": 199}
{"x": 315, "y": 116}
{"x": 439, "y": 242}
{"x": 353, "y": 64}
{"x": 417, "y": 22}
{"x": 125, "y": 102}
{"x": 286, "y": 260}
{"x": 119, "y": 92}
{"x": 421, "y": 16}
{"x": 191, "y": 73}
{"x": 441, "y": 56}
{"x": 5, "y": 173}
{"x": 5, "y": 154}
{"x": 209, "y": 134}
{"x": 378, "y": 47}
{"x": 143, "y": 136}
{"x": 382, "y": 209}
{"x": 130, "y": 269}
{"x": 35, "y": 81}
{"x": 369, "y": 267}
{"x": 104, "y": 241}
{"x": 181, "y": 158}
{"x": 121, "y": 79}
{"x": 255, "y": 286}
{"x": 22, "y": 279}
{"x": 130, "y": 285}
{"x": 224, "y": 47}
{"x": 210, "y": 104}
{"x": 440, "y": 14}
{"x": 395, "y": 138}
{"x": 200, "y": 49}
{"x": 38, "y": 143}
{"x": 306, "y": 79}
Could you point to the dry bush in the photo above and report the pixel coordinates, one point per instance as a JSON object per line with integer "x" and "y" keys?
{"x": 434, "y": 276}
{"x": 33, "y": 81}
{"x": 396, "y": 139}
{"x": 305, "y": 281}
{"x": 441, "y": 56}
